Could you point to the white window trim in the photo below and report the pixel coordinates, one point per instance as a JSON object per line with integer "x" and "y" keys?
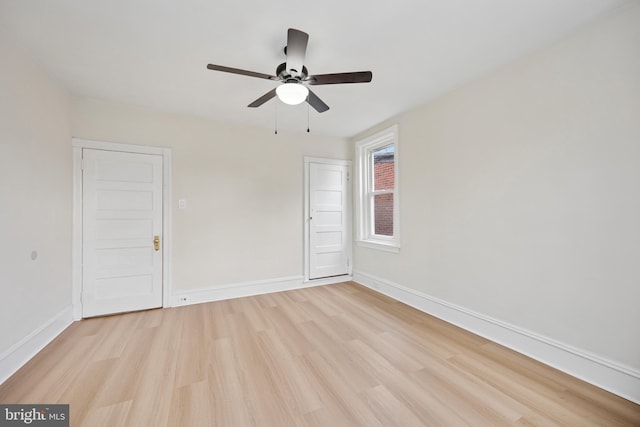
{"x": 364, "y": 148}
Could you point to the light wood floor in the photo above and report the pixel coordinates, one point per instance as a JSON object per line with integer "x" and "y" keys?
{"x": 338, "y": 355}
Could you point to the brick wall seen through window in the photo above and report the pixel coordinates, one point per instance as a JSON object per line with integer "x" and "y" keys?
{"x": 383, "y": 179}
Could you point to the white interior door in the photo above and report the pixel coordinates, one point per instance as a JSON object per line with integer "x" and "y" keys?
{"x": 121, "y": 232}
{"x": 329, "y": 231}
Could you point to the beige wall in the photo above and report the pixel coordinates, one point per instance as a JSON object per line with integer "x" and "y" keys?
{"x": 35, "y": 197}
{"x": 520, "y": 193}
{"x": 243, "y": 188}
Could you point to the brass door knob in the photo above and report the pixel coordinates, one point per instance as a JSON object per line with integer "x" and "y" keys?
{"x": 156, "y": 242}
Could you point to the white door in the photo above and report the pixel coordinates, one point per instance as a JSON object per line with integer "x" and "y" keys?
{"x": 329, "y": 235}
{"x": 121, "y": 232}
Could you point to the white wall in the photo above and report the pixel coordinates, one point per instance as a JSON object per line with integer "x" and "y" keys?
{"x": 35, "y": 199}
{"x": 243, "y": 188}
{"x": 520, "y": 194}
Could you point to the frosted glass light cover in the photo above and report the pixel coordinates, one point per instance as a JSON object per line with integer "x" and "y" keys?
{"x": 292, "y": 93}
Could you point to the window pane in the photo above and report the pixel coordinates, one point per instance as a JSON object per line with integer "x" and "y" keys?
{"x": 383, "y": 168}
{"x": 383, "y": 214}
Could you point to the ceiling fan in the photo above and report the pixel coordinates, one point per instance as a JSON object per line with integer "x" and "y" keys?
{"x": 294, "y": 76}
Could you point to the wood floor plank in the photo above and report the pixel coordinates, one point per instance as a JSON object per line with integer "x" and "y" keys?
{"x": 154, "y": 390}
{"x": 423, "y": 401}
{"x": 192, "y": 405}
{"x": 82, "y": 400}
{"x": 337, "y": 355}
{"x": 388, "y": 409}
{"x": 286, "y": 369}
{"x": 339, "y": 396}
{"x": 230, "y": 403}
{"x": 55, "y": 372}
{"x": 535, "y": 395}
{"x": 107, "y": 416}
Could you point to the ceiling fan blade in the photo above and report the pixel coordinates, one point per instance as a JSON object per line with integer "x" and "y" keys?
{"x": 264, "y": 98}
{"x": 339, "y": 78}
{"x": 241, "y": 72}
{"x": 296, "y": 50}
{"x": 317, "y": 103}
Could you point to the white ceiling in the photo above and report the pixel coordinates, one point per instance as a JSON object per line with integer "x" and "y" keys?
{"x": 154, "y": 52}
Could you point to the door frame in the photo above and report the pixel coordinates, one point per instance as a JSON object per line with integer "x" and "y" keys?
{"x": 349, "y": 225}
{"x": 76, "y": 252}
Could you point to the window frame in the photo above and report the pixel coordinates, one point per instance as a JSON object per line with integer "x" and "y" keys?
{"x": 365, "y": 191}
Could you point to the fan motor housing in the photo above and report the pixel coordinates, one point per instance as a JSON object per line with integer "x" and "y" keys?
{"x": 284, "y": 75}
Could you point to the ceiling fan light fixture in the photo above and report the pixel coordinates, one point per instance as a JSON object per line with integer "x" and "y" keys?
{"x": 292, "y": 93}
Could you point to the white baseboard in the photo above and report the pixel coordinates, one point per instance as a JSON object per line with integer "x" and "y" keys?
{"x": 21, "y": 352}
{"x": 621, "y": 380}
{"x": 237, "y": 290}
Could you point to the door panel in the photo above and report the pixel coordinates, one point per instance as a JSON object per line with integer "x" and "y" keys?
{"x": 124, "y": 200}
{"x": 122, "y": 212}
{"x": 328, "y": 223}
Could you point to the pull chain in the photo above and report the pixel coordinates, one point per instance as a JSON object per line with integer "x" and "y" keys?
{"x": 308, "y": 113}
{"x": 276, "y": 117}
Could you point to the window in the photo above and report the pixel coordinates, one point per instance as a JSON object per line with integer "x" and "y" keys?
{"x": 377, "y": 190}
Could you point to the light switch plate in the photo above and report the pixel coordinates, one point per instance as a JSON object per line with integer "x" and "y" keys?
{"x": 182, "y": 203}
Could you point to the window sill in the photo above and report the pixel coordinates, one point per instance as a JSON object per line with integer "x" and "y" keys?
{"x": 387, "y": 247}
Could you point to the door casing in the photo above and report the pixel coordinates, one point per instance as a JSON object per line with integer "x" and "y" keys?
{"x": 349, "y": 225}
{"x": 78, "y": 145}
